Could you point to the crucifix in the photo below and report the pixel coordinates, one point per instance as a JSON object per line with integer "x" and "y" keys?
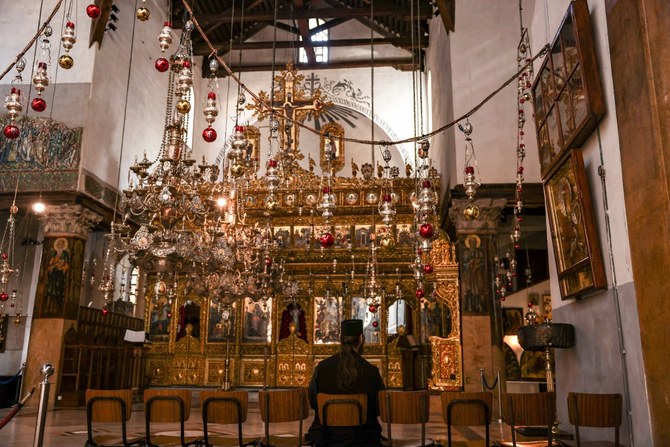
{"x": 291, "y": 105}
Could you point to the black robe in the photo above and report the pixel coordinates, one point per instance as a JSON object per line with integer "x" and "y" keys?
{"x": 369, "y": 381}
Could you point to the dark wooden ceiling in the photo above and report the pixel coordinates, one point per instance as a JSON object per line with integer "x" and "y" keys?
{"x": 229, "y": 24}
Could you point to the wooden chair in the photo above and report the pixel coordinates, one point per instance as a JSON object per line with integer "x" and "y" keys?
{"x": 168, "y": 405}
{"x": 111, "y": 406}
{"x": 404, "y": 407}
{"x": 595, "y": 410}
{"x": 283, "y": 405}
{"x": 532, "y": 415}
{"x": 342, "y": 410}
{"x": 467, "y": 409}
{"x": 225, "y": 407}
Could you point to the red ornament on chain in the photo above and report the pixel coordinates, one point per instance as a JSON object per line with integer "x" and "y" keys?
{"x": 162, "y": 64}
{"x": 93, "y": 11}
{"x": 38, "y": 104}
{"x": 426, "y": 231}
{"x": 11, "y": 131}
{"x": 427, "y": 269}
{"x": 420, "y": 293}
{"x": 4, "y": 296}
{"x": 209, "y": 135}
{"x": 327, "y": 240}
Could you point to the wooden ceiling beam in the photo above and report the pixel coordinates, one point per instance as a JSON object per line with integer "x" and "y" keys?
{"x": 407, "y": 44}
{"x": 303, "y": 26}
{"x": 447, "y": 10}
{"x": 318, "y": 13}
{"x": 403, "y": 64}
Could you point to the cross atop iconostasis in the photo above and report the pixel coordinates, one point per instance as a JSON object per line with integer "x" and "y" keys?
{"x": 290, "y": 105}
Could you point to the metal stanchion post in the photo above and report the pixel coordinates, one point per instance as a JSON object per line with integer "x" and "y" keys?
{"x": 500, "y": 403}
{"x": 46, "y": 370}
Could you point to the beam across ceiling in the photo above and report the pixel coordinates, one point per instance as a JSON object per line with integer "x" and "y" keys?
{"x": 403, "y": 64}
{"x": 203, "y": 49}
{"x": 318, "y": 13}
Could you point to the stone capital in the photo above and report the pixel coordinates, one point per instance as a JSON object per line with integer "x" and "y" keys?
{"x": 68, "y": 221}
{"x": 489, "y": 215}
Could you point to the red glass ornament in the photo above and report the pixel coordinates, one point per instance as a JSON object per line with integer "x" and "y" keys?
{"x": 5, "y": 256}
{"x": 326, "y": 190}
{"x": 4, "y": 296}
{"x": 211, "y": 95}
{"x": 169, "y": 315}
{"x": 12, "y": 305}
{"x": 420, "y": 293}
{"x": 272, "y": 163}
{"x": 239, "y": 128}
{"x": 427, "y": 269}
{"x": 375, "y": 324}
{"x": 372, "y": 309}
{"x": 426, "y": 231}
{"x": 469, "y": 170}
{"x": 70, "y": 25}
{"x": 425, "y": 184}
{"x": 502, "y": 299}
{"x": 209, "y": 135}
{"x": 162, "y": 64}
{"x": 38, "y": 104}
{"x": 93, "y": 11}
{"x": 105, "y": 311}
{"x": 186, "y": 64}
{"x": 386, "y": 197}
{"x": 268, "y": 261}
{"x": 327, "y": 240}
{"x": 11, "y": 131}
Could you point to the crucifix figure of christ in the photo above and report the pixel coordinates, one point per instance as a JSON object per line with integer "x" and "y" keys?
{"x": 290, "y": 105}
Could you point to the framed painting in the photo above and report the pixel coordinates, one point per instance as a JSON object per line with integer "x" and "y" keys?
{"x": 577, "y": 253}
{"x": 567, "y": 94}
{"x": 282, "y": 236}
{"x": 360, "y": 309}
{"x": 512, "y": 320}
{"x": 327, "y": 318}
{"x": 257, "y": 326}
{"x": 332, "y": 133}
{"x": 221, "y": 322}
{"x": 252, "y": 155}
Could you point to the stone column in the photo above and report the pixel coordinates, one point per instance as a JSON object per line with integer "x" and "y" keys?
{"x": 66, "y": 229}
{"x": 476, "y": 247}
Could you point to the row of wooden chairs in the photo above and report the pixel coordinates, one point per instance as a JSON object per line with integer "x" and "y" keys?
{"x": 291, "y": 405}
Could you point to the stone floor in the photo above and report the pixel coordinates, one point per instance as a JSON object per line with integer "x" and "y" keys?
{"x": 67, "y": 427}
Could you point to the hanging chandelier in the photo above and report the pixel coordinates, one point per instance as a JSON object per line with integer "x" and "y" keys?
{"x": 191, "y": 217}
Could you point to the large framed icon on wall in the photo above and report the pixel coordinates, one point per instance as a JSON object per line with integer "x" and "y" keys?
{"x": 579, "y": 261}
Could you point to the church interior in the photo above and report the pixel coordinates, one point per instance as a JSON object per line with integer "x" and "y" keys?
{"x": 194, "y": 194}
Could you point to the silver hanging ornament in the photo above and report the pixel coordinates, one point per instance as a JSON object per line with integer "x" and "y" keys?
{"x": 68, "y": 38}
{"x": 165, "y": 37}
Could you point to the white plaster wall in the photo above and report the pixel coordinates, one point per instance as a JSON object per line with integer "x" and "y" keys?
{"x": 483, "y": 56}
{"x": 68, "y": 92}
{"x": 439, "y": 72}
{"x": 141, "y": 122}
{"x": 595, "y": 364}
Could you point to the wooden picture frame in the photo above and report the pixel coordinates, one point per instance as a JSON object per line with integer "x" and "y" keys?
{"x": 577, "y": 253}
{"x": 567, "y": 94}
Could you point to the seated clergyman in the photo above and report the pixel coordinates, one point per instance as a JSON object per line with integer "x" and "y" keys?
{"x": 347, "y": 372}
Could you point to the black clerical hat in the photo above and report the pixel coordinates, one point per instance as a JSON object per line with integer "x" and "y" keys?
{"x": 352, "y": 327}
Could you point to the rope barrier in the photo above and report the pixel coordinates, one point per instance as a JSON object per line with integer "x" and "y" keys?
{"x": 8, "y": 417}
{"x": 14, "y": 377}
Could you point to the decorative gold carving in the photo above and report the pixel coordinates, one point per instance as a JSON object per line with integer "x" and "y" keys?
{"x": 253, "y": 373}
{"x": 293, "y": 345}
{"x": 215, "y": 369}
{"x": 447, "y": 363}
{"x": 68, "y": 221}
{"x": 294, "y": 370}
{"x": 335, "y": 133}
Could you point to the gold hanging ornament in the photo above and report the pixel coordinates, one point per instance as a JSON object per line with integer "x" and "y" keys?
{"x": 142, "y": 12}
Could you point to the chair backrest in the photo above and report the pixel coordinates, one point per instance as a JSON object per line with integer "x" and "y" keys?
{"x": 167, "y": 408}
{"x": 533, "y": 409}
{"x": 342, "y": 410}
{"x": 595, "y": 410}
{"x": 105, "y": 405}
{"x": 221, "y": 407}
{"x": 467, "y": 408}
{"x": 404, "y": 407}
{"x": 284, "y": 405}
